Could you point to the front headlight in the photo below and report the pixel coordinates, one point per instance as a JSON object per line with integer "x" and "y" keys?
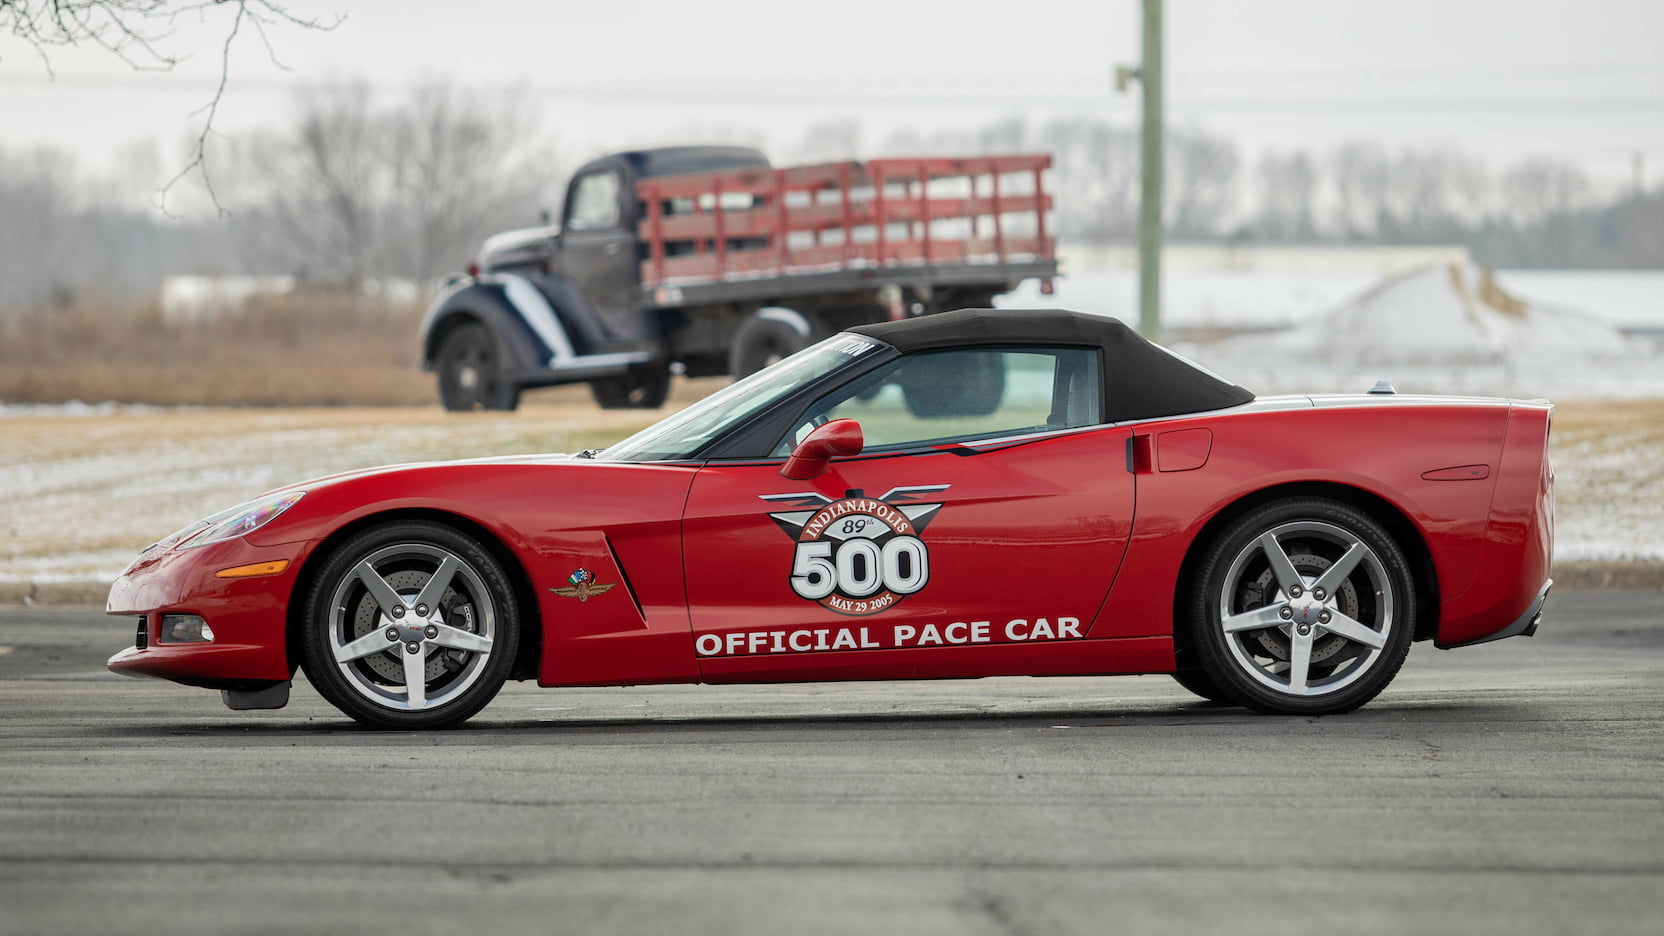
{"x": 240, "y": 520}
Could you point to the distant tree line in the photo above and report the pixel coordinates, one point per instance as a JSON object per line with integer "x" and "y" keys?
{"x": 353, "y": 187}
{"x": 1535, "y": 212}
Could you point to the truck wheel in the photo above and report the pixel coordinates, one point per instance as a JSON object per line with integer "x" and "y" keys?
{"x": 767, "y": 336}
{"x": 470, "y": 377}
{"x": 969, "y": 301}
{"x": 643, "y": 386}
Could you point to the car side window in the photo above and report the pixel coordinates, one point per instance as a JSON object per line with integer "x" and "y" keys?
{"x": 973, "y": 393}
{"x": 594, "y": 203}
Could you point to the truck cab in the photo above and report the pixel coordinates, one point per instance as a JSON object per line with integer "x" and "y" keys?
{"x": 554, "y": 305}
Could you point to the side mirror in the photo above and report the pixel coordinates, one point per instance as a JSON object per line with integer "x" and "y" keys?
{"x": 809, "y": 458}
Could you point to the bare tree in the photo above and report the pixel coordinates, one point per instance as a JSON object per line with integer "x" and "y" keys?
{"x": 320, "y": 183}
{"x": 1361, "y": 176}
{"x": 1096, "y": 167}
{"x": 1201, "y": 184}
{"x": 462, "y": 164}
{"x": 1543, "y": 201}
{"x": 38, "y": 222}
{"x": 139, "y": 33}
{"x": 1434, "y": 196}
{"x": 358, "y": 188}
{"x": 1288, "y": 196}
{"x": 830, "y": 141}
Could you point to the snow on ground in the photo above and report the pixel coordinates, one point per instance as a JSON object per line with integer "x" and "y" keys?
{"x": 81, "y": 493}
{"x": 1205, "y": 299}
{"x": 1448, "y": 328}
{"x": 1241, "y": 299}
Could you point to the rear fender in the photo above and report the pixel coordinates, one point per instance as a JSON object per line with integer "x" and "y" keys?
{"x": 1513, "y": 564}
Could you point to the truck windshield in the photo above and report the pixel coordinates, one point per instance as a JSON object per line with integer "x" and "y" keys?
{"x": 684, "y": 434}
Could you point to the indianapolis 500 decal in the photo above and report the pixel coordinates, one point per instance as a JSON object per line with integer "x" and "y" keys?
{"x": 859, "y": 555}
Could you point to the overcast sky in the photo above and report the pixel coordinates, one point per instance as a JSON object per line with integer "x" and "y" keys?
{"x": 1500, "y": 78}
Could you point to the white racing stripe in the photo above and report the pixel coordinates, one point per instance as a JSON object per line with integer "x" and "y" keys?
{"x": 535, "y": 309}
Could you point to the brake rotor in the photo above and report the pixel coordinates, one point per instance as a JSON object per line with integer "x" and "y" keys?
{"x": 388, "y": 666}
{"x": 1264, "y": 590}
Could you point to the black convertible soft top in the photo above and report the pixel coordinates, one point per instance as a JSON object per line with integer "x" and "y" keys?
{"x": 1141, "y": 379}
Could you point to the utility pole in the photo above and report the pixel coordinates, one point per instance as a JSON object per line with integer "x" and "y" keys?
{"x": 1151, "y": 172}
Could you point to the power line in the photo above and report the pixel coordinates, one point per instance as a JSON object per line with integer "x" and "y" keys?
{"x": 684, "y": 95}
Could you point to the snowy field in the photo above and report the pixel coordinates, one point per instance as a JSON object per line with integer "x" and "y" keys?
{"x": 1621, "y": 298}
{"x": 1557, "y": 334}
{"x": 82, "y": 488}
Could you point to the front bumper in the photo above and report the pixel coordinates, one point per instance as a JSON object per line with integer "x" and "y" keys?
{"x": 248, "y": 615}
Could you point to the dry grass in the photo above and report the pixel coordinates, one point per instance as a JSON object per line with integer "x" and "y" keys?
{"x": 1609, "y": 478}
{"x": 310, "y": 350}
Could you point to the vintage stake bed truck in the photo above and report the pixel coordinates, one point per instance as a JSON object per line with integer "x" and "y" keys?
{"x": 708, "y": 260}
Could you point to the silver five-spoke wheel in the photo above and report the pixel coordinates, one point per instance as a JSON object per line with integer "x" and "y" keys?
{"x": 1307, "y": 606}
{"x": 412, "y": 625}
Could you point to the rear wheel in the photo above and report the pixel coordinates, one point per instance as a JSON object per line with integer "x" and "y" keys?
{"x": 1201, "y": 684}
{"x": 410, "y": 625}
{"x": 769, "y": 335}
{"x": 1304, "y": 606}
{"x": 470, "y": 374}
{"x": 643, "y": 386}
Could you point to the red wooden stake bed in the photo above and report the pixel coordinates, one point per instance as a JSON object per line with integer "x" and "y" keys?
{"x": 881, "y": 214}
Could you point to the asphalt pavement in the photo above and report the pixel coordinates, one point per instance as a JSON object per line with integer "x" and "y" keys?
{"x": 1516, "y": 787}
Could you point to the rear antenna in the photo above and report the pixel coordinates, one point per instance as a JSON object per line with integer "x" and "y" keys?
{"x": 1381, "y": 386}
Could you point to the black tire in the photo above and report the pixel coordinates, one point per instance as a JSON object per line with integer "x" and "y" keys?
{"x": 969, "y": 301}
{"x": 1302, "y": 606}
{"x": 644, "y": 386}
{"x": 471, "y": 374}
{"x": 1201, "y": 684}
{"x": 761, "y": 340}
{"x": 950, "y": 385}
{"x": 465, "y": 635}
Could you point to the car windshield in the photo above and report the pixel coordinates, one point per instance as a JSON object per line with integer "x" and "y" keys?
{"x": 684, "y": 434}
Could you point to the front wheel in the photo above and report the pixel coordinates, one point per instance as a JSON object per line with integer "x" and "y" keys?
{"x": 470, "y": 374}
{"x": 1303, "y": 606}
{"x": 410, "y": 625}
{"x": 1202, "y": 685}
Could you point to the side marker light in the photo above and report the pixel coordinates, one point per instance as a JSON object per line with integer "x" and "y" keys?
{"x": 253, "y": 569}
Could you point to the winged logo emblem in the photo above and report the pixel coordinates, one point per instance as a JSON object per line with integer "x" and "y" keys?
{"x": 583, "y": 586}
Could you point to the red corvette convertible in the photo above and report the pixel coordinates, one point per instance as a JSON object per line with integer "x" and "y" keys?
{"x": 975, "y": 493}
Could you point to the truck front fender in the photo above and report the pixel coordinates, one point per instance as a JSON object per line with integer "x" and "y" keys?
{"x": 489, "y": 302}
